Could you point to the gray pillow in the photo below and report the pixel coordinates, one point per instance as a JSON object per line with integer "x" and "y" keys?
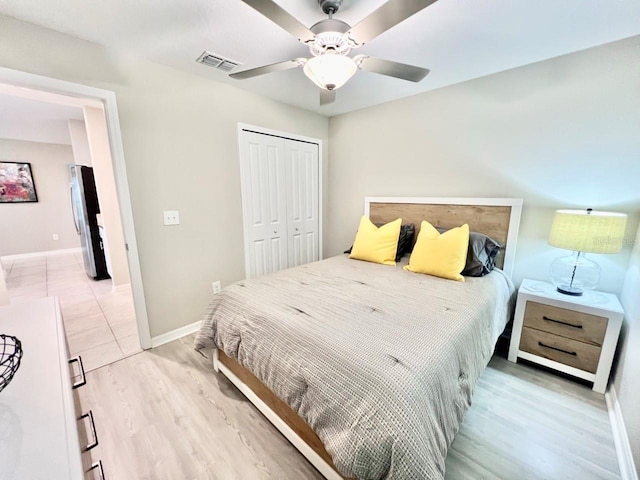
{"x": 481, "y": 255}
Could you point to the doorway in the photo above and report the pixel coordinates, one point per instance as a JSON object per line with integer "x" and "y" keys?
{"x": 116, "y": 299}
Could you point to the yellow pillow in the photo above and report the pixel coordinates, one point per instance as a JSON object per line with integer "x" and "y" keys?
{"x": 441, "y": 255}
{"x": 375, "y": 244}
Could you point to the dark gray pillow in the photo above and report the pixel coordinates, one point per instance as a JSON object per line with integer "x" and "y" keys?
{"x": 405, "y": 240}
{"x": 481, "y": 255}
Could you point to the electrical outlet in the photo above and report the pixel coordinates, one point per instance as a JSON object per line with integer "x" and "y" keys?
{"x": 55, "y": 236}
{"x": 171, "y": 217}
{"x": 216, "y": 287}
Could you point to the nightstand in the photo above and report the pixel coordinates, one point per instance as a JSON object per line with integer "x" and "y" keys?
{"x": 574, "y": 335}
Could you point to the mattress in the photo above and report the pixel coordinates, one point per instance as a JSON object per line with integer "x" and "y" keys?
{"x": 380, "y": 362}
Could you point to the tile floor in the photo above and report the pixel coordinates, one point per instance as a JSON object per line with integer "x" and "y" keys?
{"x": 100, "y": 324}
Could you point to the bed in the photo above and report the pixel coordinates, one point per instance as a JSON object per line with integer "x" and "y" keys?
{"x": 368, "y": 369}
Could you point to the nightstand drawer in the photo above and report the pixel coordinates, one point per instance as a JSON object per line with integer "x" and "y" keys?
{"x": 566, "y": 323}
{"x": 560, "y": 349}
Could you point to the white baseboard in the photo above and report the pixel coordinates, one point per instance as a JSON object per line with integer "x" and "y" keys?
{"x": 21, "y": 256}
{"x": 621, "y": 440}
{"x": 175, "y": 334}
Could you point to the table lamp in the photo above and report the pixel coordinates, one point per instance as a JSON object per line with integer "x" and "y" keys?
{"x": 583, "y": 231}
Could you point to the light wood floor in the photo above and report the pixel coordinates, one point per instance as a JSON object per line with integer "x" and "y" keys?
{"x": 164, "y": 414}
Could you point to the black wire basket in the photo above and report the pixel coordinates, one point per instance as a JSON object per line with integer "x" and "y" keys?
{"x": 10, "y": 356}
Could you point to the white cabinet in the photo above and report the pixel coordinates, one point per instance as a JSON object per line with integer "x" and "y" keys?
{"x": 43, "y": 431}
{"x": 281, "y": 202}
{"x": 573, "y": 335}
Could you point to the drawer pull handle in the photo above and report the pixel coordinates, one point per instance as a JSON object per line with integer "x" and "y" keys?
{"x": 561, "y": 322}
{"x": 83, "y": 380}
{"x": 97, "y": 465}
{"x": 93, "y": 444}
{"x": 558, "y": 349}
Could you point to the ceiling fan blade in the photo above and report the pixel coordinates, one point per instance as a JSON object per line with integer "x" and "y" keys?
{"x": 387, "y": 16}
{"x": 393, "y": 69}
{"x": 282, "y": 18}
{"x": 274, "y": 67}
{"x": 327, "y": 97}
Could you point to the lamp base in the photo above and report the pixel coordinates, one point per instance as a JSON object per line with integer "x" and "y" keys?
{"x": 574, "y": 274}
{"x": 569, "y": 290}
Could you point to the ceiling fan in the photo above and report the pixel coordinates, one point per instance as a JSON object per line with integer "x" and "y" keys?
{"x": 331, "y": 40}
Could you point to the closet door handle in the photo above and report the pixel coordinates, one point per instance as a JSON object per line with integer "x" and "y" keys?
{"x": 97, "y": 465}
{"x": 83, "y": 378}
{"x": 93, "y": 444}
{"x": 557, "y": 349}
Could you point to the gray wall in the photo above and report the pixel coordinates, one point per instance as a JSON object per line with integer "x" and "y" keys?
{"x": 560, "y": 133}
{"x": 627, "y": 377}
{"x": 29, "y": 227}
{"x": 180, "y": 144}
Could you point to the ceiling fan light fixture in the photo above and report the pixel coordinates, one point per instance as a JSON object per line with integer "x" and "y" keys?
{"x": 330, "y": 71}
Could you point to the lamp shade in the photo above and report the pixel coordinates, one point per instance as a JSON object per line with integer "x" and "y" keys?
{"x": 588, "y": 231}
{"x": 330, "y": 70}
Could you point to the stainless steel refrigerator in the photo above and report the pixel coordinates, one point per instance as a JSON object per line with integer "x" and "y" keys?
{"x": 85, "y": 207}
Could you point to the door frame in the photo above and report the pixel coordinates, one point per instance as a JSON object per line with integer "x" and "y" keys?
{"x": 245, "y": 127}
{"x": 107, "y": 99}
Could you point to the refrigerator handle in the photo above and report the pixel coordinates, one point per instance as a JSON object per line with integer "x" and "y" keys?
{"x": 74, "y": 212}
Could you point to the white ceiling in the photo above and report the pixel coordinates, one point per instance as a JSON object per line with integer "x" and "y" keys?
{"x": 457, "y": 39}
{"x": 36, "y": 121}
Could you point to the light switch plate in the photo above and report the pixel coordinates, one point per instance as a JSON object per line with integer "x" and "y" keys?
{"x": 171, "y": 217}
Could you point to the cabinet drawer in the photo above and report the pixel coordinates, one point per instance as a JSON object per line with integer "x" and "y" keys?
{"x": 87, "y": 435}
{"x": 84, "y": 432}
{"x": 560, "y": 349}
{"x": 566, "y": 323}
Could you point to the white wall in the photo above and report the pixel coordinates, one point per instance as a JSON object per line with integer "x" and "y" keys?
{"x": 80, "y": 142}
{"x": 560, "y": 133}
{"x": 180, "y": 143}
{"x": 29, "y": 227}
{"x": 627, "y": 376}
{"x": 98, "y": 140}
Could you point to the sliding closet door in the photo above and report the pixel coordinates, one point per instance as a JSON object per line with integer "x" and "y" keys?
{"x": 302, "y": 181}
{"x": 264, "y": 197}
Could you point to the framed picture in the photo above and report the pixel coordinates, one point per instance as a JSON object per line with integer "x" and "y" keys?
{"x": 16, "y": 183}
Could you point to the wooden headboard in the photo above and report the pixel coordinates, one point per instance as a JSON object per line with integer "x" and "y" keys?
{"x": 498, "y": 218}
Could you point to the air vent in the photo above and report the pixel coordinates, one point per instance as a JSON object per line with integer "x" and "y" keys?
{"x": 216, "y": 61}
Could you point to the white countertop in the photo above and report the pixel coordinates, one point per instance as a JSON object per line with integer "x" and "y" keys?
{"x": 37, "y": 422}
{"x": 590, "y": 298}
